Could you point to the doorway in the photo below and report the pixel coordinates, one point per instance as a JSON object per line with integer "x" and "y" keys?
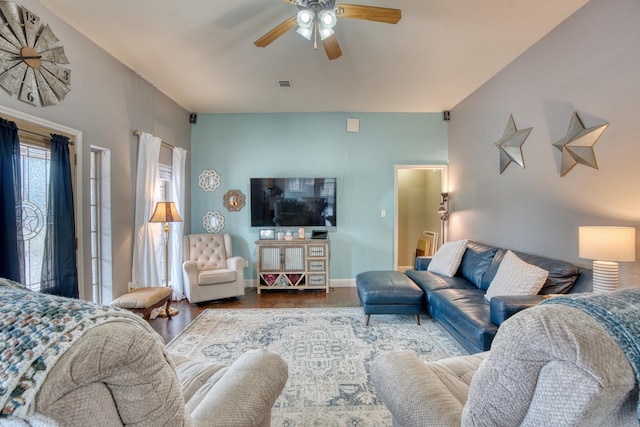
{"x": 417, "y": 198}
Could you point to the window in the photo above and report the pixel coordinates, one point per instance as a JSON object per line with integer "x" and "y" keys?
{"x": 94, "y": 229}
{"x": 34, "y": 163}
{"x": 163, "y": 192}
{"x": 165, "y": 174}
{"x": 100, "y": 225}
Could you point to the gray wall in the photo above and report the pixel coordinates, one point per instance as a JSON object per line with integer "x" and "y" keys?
{"x": 589, "y": 64}
{"x": 107, "y": 102}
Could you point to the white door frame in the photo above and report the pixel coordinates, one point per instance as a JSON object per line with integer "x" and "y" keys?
{"x": 84, "y": 287}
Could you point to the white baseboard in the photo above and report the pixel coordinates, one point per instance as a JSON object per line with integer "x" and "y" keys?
{"x": 342, "y": 283}
{"x": 334, "y": 283}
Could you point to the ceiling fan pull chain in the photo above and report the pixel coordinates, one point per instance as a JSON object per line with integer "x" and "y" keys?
{"x": 315, "y": 37}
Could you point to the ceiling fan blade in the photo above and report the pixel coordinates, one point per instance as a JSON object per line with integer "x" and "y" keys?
{"x": 276, "y": 32}
{"x": 370, "y": 13}
{"x": 332, "y": 47}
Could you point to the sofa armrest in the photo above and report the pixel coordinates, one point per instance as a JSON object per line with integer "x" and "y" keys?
{"x": 117, "y": 373}
{"x": 240, "y": 395}
{"x": 236, "y": 263}
{"x": 503, "y": 307}
{"x": 191, "y": 271}
{"x": 422, "y": 262}
{"x": 553, "y": 365}
{"x": 419, "y": 393}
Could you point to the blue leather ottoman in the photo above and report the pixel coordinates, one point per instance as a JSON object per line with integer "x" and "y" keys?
{"x": 388, "y": 292}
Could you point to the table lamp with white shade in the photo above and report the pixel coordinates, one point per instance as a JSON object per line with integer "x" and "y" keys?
{"x": 606, "y": 246}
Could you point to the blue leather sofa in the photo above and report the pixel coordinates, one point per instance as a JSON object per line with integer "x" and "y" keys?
{"x": 458, "y": 302}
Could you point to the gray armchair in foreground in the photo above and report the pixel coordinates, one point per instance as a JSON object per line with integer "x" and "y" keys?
{"x": 549, "y": 365}
{"x": 67, "y": 362}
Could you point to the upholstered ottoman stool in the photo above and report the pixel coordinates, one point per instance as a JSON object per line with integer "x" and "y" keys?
{"x": 388, "y": 292}
{"x": 143, "y": 300}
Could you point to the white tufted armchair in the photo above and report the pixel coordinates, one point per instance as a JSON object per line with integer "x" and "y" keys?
{"x": 210, "y": 270}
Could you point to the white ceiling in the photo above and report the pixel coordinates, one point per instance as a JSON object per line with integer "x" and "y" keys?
{"x": 201, "y": 53}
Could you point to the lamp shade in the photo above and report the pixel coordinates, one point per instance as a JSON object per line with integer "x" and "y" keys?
{"x": 165, "y": 212}
{"x": 607, "y": 243}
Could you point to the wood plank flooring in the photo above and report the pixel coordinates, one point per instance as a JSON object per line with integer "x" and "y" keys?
{"x": 276, "y": 298}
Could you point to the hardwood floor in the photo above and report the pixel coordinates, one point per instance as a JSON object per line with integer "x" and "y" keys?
{"x": 276, "y": 298}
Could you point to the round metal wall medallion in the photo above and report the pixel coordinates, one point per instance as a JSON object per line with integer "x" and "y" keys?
{"x": 234, "y": 200}
{"x": 213, "y": 222}
{"x": 209, "y": 180}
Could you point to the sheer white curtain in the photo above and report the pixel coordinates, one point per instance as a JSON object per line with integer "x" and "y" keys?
{"x": 177, "y": 228}
{"x": 147, "y": 252}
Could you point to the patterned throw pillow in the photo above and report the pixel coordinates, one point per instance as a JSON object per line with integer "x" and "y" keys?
{"x": 516, "y": 277}
{"x": 447, "y": 259}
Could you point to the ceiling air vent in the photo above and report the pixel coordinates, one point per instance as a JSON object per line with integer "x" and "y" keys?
{"x": 285, "y": 84}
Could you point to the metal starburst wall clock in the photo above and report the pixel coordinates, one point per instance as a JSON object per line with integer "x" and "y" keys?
{"x": 30, "y": 60}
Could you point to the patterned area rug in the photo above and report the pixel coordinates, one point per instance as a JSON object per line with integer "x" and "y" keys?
{"x": 328, "y": 351}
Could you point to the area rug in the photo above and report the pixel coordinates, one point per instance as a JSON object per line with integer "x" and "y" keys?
{"x": 328, "y": 350}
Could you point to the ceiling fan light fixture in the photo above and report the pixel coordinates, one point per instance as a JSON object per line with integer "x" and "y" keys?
{"x": 305, "y": 18}
{"x": 325, "y": 33}
{"x": 327, "y": 18}
{"x": 317, "y": 18}
{"x": 305, "y": 32}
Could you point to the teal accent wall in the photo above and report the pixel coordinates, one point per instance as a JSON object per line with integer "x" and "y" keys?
{"x": 242, "y": 146}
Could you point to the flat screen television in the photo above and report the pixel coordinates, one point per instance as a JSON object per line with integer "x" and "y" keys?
{"x": 293, "y": 202}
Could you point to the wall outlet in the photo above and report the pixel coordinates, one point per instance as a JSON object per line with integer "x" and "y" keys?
{"x": 383, "y": 213}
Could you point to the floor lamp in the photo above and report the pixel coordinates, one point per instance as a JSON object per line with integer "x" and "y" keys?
{"x": 443, "y": 211}
{"x": 166, "y": 212}
{"x": 606, "y": 246}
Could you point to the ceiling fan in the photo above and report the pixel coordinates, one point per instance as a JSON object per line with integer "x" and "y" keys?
{"x": 318, "y": 17}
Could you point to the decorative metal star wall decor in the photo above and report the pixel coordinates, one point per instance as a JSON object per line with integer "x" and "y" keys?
{"x": 510, "y": 145}
{"x": 577, "y": 145}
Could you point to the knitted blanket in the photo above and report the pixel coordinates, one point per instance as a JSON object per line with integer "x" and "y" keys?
{"x": 619, "y": 314}
{"x": 35, "y": 331}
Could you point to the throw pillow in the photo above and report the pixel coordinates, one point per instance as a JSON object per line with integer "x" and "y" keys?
{"x": 516, "y": 277}
{"x": 447, "y": 259}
